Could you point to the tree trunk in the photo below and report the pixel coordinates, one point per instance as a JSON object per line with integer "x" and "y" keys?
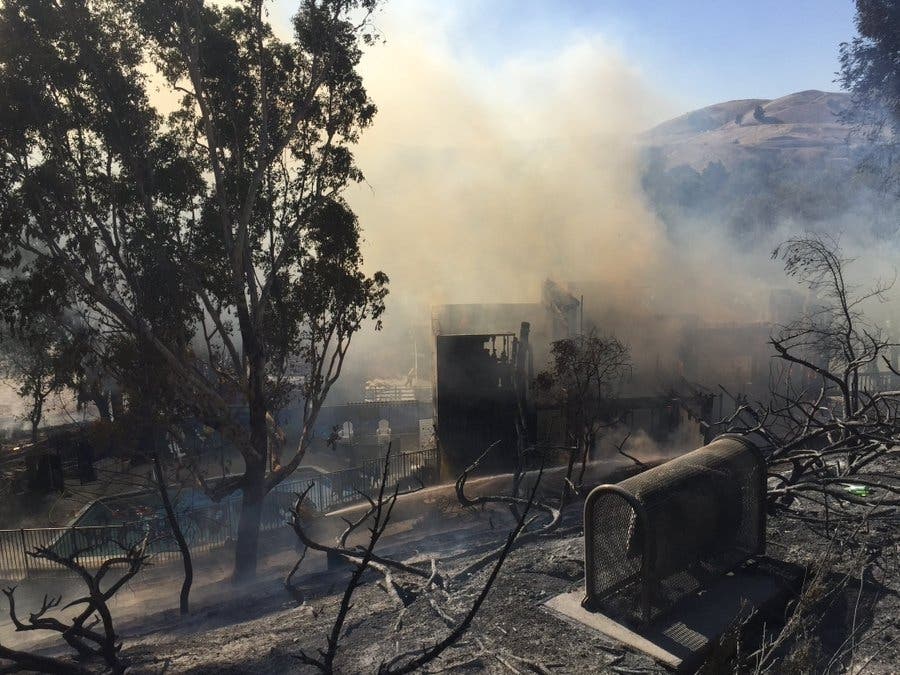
{"x": 246, "y": 553}
{"x": 254, "y": 485}
{"x": 101, "y": 402}
{"x": 179, "y": 536}
{"x": 117, "y": 404}
{"x": 37, "y": 411}
{"x": 589, "y": 441}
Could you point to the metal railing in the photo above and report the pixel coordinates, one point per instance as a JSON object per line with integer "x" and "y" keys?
{"x": 207, "y": 527}
{"x": 410, "y": 469}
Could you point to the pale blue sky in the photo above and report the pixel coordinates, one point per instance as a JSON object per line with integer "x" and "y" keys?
{"x": 692, "y": 52}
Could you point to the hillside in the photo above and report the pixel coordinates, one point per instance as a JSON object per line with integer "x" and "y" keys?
{"x": 798, "y": 126}
{"x": 753, "y": 165}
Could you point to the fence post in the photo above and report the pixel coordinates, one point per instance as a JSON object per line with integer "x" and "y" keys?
{"x": 24, "y": 550}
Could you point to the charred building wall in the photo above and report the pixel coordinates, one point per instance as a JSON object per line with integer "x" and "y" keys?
{"x": 475, "y": 398}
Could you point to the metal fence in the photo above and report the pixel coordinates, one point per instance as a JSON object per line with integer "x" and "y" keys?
{"x": 208, "y": 527}
{"x": 408, "y": 470}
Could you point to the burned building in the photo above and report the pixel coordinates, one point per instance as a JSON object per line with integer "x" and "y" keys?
{"x": 556, "y": 316}
{"x": 483, "y": 360}
{"x": 481, "y": 382}
{"x": 475, "y": 372}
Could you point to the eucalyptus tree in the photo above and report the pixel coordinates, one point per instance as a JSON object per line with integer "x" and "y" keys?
{"x": 180, "y": 168}
{"x": 870, "y": 71}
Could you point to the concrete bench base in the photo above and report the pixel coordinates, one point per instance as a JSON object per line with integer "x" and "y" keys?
{"x": 682, "y": 637}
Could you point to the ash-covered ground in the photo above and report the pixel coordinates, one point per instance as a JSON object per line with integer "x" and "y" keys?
{"x": 511, "y": 633}
{"x": 262, "y": 628}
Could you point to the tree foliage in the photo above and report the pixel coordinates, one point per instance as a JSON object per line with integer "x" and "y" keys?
{"x": 760, "y": 193}
{"x": 42, "y": 352}
{"x": 585, "y": 374}
{"x": 870, "y": 70}
{"x": 213, "y": 235}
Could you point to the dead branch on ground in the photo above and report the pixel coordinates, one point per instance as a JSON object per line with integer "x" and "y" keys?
{"x": 364, "y": 558}
{"x": 423, "y": 656}
{"x": 554, "y": 513}
{"x": 381, "y": 516}
{"x": 620, "y": 448}
{"x": 354, "y": 555}
{"x": 81, "y": 632}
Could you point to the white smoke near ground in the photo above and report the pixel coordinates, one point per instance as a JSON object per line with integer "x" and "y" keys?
{"x": 637, "y": 445}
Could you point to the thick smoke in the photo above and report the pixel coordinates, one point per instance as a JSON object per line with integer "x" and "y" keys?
{"x": 484, "y": 181}
{"x": 485, "y": 177}
{"x": 476, "y": 196}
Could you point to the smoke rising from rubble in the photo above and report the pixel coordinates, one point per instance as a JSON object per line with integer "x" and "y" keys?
{"x": 484, "y": 180}
{"x": 483, "y": 183}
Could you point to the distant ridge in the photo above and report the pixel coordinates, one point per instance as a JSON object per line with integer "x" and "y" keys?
{"x": 803, "y": 125}
{"x": 754, "y": 166}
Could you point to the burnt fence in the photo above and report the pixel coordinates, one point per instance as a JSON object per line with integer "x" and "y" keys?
{"x": 208, "y": 527}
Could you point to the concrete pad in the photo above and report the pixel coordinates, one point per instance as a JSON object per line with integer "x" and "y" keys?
{"x": 681, "y": 638}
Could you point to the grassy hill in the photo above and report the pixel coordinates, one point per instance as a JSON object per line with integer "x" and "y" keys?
{"x": 753, "y": 165}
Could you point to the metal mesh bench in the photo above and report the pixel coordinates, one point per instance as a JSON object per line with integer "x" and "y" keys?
{"x": 659, "y": 536}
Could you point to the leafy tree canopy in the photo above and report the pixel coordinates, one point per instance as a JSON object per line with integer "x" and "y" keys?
{"x": 870, "y": 70}
{"x": 215, "y": 237}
